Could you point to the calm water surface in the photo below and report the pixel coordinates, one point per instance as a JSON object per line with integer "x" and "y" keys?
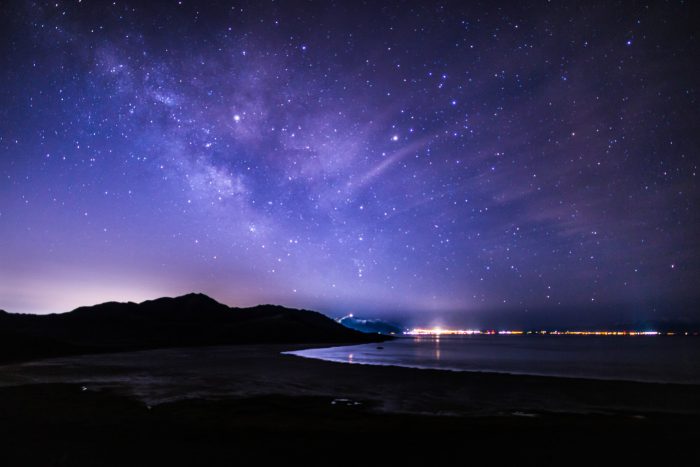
{"x": 673, "y": 359}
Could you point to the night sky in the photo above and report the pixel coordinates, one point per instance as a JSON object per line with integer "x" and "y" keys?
{"x": 526, "y": 163}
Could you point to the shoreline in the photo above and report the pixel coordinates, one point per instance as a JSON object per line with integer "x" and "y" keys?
{"x": 492, "y": 372}
{"x": 246, "y": 404}
{"x": 215, "y": 373}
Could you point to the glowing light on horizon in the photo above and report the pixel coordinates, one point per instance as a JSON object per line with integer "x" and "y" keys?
{"x": 468, "y": 332}
{"x": 439, "y": 331}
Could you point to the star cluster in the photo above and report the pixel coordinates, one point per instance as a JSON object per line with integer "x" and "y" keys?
{"x": 399, "y": 159}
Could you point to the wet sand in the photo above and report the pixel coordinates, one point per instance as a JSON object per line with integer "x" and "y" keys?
{"x": 215, "y": 405}
{"x": 167, "y": 375}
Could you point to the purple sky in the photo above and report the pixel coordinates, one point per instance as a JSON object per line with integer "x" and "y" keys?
{"x": 534, "y": 162}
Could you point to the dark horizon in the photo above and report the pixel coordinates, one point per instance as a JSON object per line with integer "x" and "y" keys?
{"x": 617, "y": 318}
{"x": 522, "y": 164}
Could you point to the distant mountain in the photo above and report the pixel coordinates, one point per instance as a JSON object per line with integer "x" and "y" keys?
{"x": 373, "y": 326}
{"x": 189, "y": 320}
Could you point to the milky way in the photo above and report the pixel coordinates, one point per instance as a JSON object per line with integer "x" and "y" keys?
{"x": 420, "y": 161}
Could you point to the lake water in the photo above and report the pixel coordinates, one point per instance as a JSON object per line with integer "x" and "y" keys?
{"x": 672, "y": 359}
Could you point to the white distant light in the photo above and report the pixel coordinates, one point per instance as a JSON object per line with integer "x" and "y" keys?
{"x": 395, "y": 138}
{"x": 236, "y": 118}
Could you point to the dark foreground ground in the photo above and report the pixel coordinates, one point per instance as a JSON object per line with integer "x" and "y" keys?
{"x": 252, "y": 405}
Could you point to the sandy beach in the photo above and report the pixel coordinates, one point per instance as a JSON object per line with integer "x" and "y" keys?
{"x": 238, "y": 402}
{"x": 158, "y": 376}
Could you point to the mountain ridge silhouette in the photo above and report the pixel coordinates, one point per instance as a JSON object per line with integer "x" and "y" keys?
{"x": 191, "y": 320}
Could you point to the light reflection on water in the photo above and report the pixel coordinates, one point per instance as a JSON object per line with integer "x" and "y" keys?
{"x": 648, "y": 358}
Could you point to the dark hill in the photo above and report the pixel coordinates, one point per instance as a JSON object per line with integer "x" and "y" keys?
{"x": 189, "y": 320}
{"x": 370, "y": 325}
